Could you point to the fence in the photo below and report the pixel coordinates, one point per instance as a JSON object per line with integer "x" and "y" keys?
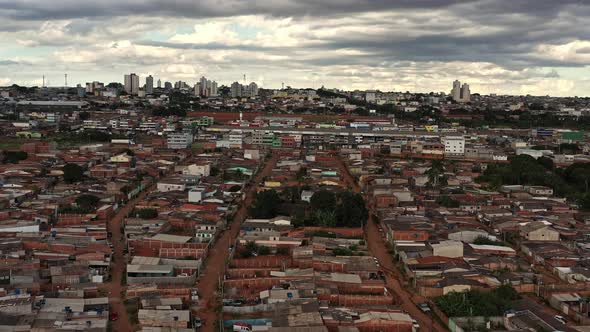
{"x": 186, "y": 281}
{"x": 475, "y": 323}
{"x": 356, "y": 300}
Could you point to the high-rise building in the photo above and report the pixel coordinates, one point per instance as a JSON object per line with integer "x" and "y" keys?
{"x": 236, "y": 90}
{"x": 91, "y": 87}
{"x": 465, "y": 93}
{"x": 204, "y": 87}
{"x": 168, "y": 86}
{"x": 214, "y": 89}
{"x": 159, "y": 83}
{"x": 253, "y": 89}
{"x": 456, "y": 92}
{"x": 132, "y": 84}
{"x": 149, "y": 85}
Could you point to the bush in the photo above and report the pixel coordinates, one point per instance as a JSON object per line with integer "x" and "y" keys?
{"x": 283, "y": 251}
{"x": 476, "y": 303}
{"x": 13, "y": 157}
{"x": 87, "y": 202}
{"x": 145, "y": 213}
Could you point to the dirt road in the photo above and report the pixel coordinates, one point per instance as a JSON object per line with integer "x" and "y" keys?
{"x": 216, "y": 259}
{"x": 407, "y": 299}
{"x": 115, "y": 287}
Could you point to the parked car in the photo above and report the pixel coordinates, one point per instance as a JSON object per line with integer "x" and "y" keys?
{"x": 242, "y": 327}
{"x": 114, "y": 316}
{"x": 197, "y": 322}
{"x": 560, "y": 319}
{"x": 424, "y": 307}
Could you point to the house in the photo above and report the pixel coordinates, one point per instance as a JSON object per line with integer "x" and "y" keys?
{"x": 164, "y": 318}
{"x": 198, "y": 169}
{"x": 540, "y": 191}
{"x": 447, "y": 249}
{"x": 538, "y": 231}
{"x": 165, "y": 185}
{"x": 467, "y": 235}
{"x": 121, "y": 158}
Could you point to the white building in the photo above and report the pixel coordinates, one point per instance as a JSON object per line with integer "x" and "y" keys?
{"x": 236, "y": 90}
{"x": 198, "y": 169}
{"x": 180, "y": 140}
{"x": 461, "y": 94}
{"x": 454, "y": 145}
{"x": 195, "y": 195}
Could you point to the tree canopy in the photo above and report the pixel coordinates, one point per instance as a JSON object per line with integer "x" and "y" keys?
{"x": 476, "y": 303}
{"x": 87, "y": 202}
{"x": 265, "y": 205}
{"x": 73, "y": 173}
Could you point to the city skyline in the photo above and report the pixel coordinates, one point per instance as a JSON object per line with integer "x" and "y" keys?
{"x": 529, "y": 47}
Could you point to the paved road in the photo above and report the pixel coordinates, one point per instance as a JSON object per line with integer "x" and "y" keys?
{"x": 216, "y": 259}
{"x": 115, "y": 287}
{"x": 407, "y": 299}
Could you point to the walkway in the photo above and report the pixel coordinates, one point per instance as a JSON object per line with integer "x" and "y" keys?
{"x": 216, "y": 259}
{"x": 405, "y": 297}
{"x": 115, "y": 287}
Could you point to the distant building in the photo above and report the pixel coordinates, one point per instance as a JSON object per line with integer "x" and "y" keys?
{"x": 461, "y": 94}
{"x": 149, "y": 85}
{"x": 132, "y": 84}
{"x": 454, "y": 145}
{"x": 91, "y": 87}
{"x": 168, "y": 86}
{"x": 180, "y": 140}
{"x": 236, "y": 90}
{"x": 159, "y": 83}
{"x": 252, "y": 90}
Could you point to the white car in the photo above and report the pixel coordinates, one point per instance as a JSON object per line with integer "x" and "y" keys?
{"x": 560, "y": 319}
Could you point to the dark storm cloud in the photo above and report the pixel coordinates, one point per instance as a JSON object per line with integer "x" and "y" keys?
{"x": 67, "y": 9}
{"x": 207, "y": 46}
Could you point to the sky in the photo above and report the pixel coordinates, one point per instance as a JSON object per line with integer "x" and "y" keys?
{"x": 515, "y": 47}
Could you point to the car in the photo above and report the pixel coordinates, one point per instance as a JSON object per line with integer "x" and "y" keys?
{"x": 560, "y": 319}
{"x": 415, "y": 325}
{"x": 424, "y": 307}
{"x": 197, "y": 322}
{"x": 114, "y": 316}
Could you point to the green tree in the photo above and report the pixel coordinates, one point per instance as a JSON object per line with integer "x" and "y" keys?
{"x": 351, "y": 210}
{"x": 323, "y": 200}
{"x": 13, "y": 157}
{"x": 436, "y": 175}
{"x": 87, "y": 202}
{"x": 84, "y": 116}
{"x": 292, "y": 194}
{"x": 265, "y": 205}
{"x": 146, "y": 213}
{"x": 73, "y": 173}
{"x": 447, "y": 201}
{"x": 301, "y": 174}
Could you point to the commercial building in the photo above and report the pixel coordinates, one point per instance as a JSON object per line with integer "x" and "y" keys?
{"x": 454, "y": 145}
{"x": 180, "y": 140}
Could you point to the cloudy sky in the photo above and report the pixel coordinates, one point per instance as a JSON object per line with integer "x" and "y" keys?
{"x": 497, "y": 46}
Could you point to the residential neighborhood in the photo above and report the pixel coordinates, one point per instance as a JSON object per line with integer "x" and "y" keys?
{"x": 132, "y": 218}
